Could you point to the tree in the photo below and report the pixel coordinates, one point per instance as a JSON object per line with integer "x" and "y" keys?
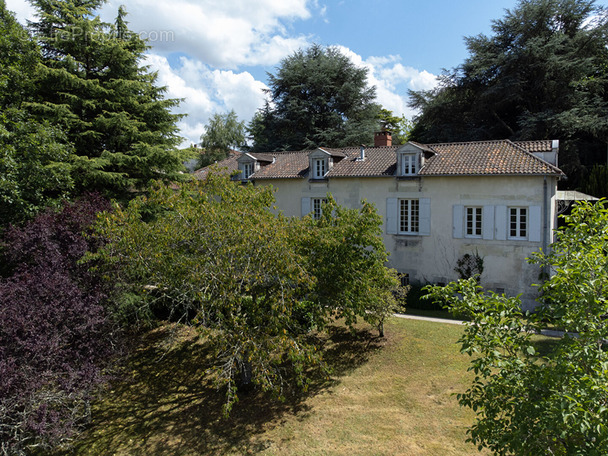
{"x": 319, "y": 98}
{"x": 214, "y": 254}
{"x": 34, "y": 156}
{"x": 344, "y": 251}
{"x": 597, "y": 182}
{"x": 541, "y": 75}
{"x": 223, "y": 133}
{"x": 399, "y": 127}
{"x": 91, "y": 85}
{"x": 55, "y": 334}
{"x": 528, "y": 402}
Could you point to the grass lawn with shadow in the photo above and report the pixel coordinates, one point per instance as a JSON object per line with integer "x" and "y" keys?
{"x": 389, "y": 396}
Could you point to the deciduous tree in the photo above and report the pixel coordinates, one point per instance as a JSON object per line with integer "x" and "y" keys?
{"x": 555, "y": 402}
{"x": 223, "y": 133}
{"x": 214, "y": 254}
{"x": 55, "y": 334}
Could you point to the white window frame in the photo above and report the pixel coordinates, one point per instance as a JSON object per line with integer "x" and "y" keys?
{"x": 409, "y": 216}
{"x": 473, "y": 221}
{"x": 409, "y": 164}
{"x": 518, "y": 222}
{"x": 319, "y": 168}
{"x": 316, "y": 207}
{"x": 247, "y": 170}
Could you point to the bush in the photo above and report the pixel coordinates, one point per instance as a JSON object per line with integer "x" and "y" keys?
{"x": 54, "y": 331}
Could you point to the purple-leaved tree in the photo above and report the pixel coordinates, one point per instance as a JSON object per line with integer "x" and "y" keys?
{"x": 54, "y": 330}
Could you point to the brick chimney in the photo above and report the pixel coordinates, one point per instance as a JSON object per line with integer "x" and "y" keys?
{"x": 383, "y": 138}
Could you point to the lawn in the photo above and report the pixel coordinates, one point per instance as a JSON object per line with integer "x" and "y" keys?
{"x": 391, "y": 396}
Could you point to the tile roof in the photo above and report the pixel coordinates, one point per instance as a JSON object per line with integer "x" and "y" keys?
{"x": 544, "y": 145}
{"x": 287, "y": 165}
{"x": 500, "y": 157}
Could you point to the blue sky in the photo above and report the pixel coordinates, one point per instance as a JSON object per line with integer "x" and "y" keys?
{"x": 215, "y": 53}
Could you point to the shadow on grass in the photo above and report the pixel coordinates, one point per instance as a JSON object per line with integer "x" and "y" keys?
{"x": 545, "y": 345}
{"x": 166, "y": 403}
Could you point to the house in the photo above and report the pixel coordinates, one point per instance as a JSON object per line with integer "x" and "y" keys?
{"x": 439, "y": 202}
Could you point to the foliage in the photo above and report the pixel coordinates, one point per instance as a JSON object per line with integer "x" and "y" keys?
{"x": 91, "y": 85}
{"x": 555, "y": 403}
{"x": 540, "y": 75}
{"x": 223, "y": 133}
{"x": 344, "y": 251}
{"x": 34, "y": 155}
{"x": 319, "y": 98}
{"x": 214, "y": 254}
{"x": 469, "y": 265}
{"x": 399, "y": 127}
{"x": 597, "y": 182}
{"x": 54, "y": 332}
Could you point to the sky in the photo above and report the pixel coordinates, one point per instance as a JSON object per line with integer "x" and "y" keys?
{"x": 215, "y": 54}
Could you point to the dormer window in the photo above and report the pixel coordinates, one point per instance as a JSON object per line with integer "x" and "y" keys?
{"x": 319, "y": 168}
{"x": 247, "y": 170}
{"x": 409, "y": 164}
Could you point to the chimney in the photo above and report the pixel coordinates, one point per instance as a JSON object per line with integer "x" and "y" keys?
{"x": 362, "y": 155}
{"x": 383, "y": 138}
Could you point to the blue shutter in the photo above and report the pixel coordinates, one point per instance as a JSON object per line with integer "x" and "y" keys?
{"x": 535, "y": 224}
{"x": 425, "y": 216}
{"x": 305, "y": 206}
{"x": 392, "y": 215}
{"x": 500, "y": 225}
{"x": 457, "y": 218}
{"x": 487, "y": 222}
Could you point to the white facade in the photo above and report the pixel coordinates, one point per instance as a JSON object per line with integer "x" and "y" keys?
{"x": 431, "y": 254}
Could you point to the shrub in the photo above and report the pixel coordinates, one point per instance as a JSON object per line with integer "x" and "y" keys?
{"x": 54, "y": 332}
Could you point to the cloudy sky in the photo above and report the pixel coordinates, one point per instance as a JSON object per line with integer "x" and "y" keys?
{"x": 215, "y": 54}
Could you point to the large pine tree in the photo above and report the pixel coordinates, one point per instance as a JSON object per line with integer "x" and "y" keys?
{"x": 34, "y": 156}
{"x": 93, "y": 85}
{"x": 542, "y": 74}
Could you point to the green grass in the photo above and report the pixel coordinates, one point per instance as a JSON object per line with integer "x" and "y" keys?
{"x": 387, "y": 396}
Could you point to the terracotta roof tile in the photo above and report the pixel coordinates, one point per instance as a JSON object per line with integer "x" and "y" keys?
{"x": 544, "y": 145}
{"x": 286, "y": 165}
{"x": 379, "y": 161}
{"x": 484, "y": 158}
{"x": 501, "y": 157}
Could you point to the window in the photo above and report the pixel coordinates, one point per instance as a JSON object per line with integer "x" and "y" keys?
{"x": 404, "y": 279}
{"x": 408, "y": 164}
{"x": 319, "y": 168}
{"x": 409, "y": 216}
{"x": 317, "y": 203}
{"x": 473, "y": 221}
{"x": 518, "y": 223}
{"x": 247, "y": 170}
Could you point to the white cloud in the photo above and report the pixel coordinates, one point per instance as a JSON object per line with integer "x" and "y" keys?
{"x": 21, "y": 8}
{"x": 206, "y": 91}
{"x": 392, "y": 80}
{"x": 221, "y": 33}
{"x": 218, "y": 37}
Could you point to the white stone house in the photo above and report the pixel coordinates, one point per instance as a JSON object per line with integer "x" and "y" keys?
{"x": 495, "y": 199}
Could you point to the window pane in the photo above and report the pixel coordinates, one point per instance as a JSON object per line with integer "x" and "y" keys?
{"x": 404, "y": 215}
{"x": 513, "y": 222}
{"x": 415, "y": 215}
